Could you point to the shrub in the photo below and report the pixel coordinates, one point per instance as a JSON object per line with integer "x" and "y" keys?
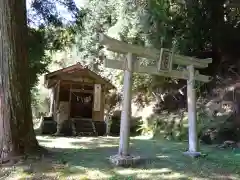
{"x": 115, "y": 126}
{"x": 174, "y": 126}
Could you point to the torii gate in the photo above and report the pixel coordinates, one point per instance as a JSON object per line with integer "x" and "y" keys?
{"x": 165, "y": 60}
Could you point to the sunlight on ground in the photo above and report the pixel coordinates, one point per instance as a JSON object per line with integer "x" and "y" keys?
{"x": 75, "y": 143}
{"x": 86, "y": 158}
{"x": 147, "y": 174}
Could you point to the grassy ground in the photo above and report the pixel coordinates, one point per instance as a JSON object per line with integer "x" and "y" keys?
{"x": 87, "y": 158}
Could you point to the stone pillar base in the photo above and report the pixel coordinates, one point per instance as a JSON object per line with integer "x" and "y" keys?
{"x": 57, "y": 134}
{"x": 193, "y": 154}
{"x": 124, "y": 161}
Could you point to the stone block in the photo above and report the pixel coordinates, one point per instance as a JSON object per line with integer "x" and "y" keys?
{"x": 193, "y": 154}
{"x": 125, "y": 161}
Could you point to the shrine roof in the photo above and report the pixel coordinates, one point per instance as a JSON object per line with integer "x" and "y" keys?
{"x": 75, "y": 71}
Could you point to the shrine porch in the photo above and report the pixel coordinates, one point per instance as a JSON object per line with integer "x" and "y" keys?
{"x": 82, "y": 127}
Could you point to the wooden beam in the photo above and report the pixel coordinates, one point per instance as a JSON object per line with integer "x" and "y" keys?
{"x": 115, "y": 64}
{"x": 150, "y": 53}
{"x": 50, "y": 82}
{"x": 68, "y": 82}
{"x": 81, "y": 90}
{"x": 67, "y": 77}
{"x": 77, "y": 79}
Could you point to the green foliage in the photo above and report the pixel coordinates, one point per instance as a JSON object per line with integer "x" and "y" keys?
{"x": 38, "y": 58}
{"x": 167, "y": 125}
{"x": 40, "y": 104}
{"x": 174, "y": 126}
{"x": 96, "y": 12}
{"x": 46, "y": 12}
{"x": 135, "y": 125}
{"x": 196, "y": 28}
{"x": 112, "y": 99}
{"x": 48, "y": 32}
{"x": 192, "y": 28}
{"x": 122, "y": 20}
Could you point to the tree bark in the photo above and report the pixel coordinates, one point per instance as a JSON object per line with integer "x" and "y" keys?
{"x": 17, "y": 136}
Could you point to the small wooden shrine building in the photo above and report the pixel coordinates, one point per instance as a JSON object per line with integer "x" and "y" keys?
{"x": 78, "y": 95}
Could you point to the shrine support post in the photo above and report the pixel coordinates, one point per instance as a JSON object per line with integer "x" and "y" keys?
{"x": 51, "y": 107}
{"x": 126, "y": 110}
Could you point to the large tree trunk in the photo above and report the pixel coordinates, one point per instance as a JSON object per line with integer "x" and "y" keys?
{"x": 16, "y": 127}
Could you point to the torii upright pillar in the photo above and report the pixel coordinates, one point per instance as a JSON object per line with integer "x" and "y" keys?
{"x": 126, "y": 109}
{"x": 192, "y": 114}
{"x": 123, "y": 158}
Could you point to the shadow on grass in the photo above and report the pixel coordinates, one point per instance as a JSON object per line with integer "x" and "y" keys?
{"x": 87, "y": 158}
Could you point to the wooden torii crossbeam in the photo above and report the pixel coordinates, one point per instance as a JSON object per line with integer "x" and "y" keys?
{"x": 165, "y": 60}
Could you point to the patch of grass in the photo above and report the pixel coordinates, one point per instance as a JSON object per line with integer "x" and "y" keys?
{"x": 87, "y": 159}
